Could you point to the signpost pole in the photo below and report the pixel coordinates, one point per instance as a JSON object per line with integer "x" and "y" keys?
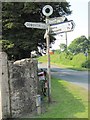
{"x": 48, "y": 61}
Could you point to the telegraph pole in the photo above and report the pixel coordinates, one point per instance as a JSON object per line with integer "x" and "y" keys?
{"x": 66, "y": 40}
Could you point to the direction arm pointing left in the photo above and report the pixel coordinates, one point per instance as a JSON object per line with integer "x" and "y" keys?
{"x": 35, "y": 25}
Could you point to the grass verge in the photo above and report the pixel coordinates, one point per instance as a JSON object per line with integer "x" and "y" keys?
{"x": 68, "y": 101}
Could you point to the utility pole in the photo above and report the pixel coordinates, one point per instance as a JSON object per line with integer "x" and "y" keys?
{"x": 66, "y": 40}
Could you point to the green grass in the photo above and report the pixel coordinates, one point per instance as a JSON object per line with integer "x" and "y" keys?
{"x": 63, "y": 60}
{"x": 68, "y": 101}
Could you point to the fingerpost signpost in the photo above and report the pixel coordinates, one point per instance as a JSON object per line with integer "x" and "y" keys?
{"x": 47, "y": 14}
{"x": 52, "y": 26}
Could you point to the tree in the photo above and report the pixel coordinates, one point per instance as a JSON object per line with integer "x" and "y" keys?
{"x": 15, "y": 14}
{"x": 63, "y": 47}
{"x": 80, "y": 44}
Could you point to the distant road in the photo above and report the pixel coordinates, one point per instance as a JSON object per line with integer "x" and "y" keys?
{"x": 76, "y": 77}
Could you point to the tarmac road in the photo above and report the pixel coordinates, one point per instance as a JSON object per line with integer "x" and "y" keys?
{"x": 76, "y": 77}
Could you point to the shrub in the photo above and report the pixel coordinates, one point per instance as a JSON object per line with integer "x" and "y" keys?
{"x": 57, "y": 51}
{"x": 86, "y": 64}
{"x": 69, "y": 55}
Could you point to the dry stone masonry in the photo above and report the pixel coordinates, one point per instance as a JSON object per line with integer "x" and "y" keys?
{"x": 19, "y": 88}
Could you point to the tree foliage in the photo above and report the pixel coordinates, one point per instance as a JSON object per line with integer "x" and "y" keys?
{"x": 63, "y": 47}
{"x": 15, "y": 14}
{"x": 80, "y": 44}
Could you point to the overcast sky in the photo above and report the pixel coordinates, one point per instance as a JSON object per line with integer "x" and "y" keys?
{"x": 80, "y": 17}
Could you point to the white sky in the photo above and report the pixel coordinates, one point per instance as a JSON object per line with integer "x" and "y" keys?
{"x": 80, "y": 17}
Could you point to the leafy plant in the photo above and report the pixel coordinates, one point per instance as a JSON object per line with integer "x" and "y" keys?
{"x": 86, "y": 64}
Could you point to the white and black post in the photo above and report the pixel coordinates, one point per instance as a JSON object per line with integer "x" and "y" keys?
{"x": 48, "y": 62}
{"x": 47, "y": 11}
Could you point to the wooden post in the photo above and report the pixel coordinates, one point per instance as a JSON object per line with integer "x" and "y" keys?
{"x": 48, "y": 62}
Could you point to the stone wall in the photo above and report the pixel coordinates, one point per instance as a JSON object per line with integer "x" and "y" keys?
{"x": 23, "y": 86}
{"x": 19, "y": 88}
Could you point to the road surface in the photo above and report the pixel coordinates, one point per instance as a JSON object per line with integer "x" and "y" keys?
{"x": 76, "y": 77}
